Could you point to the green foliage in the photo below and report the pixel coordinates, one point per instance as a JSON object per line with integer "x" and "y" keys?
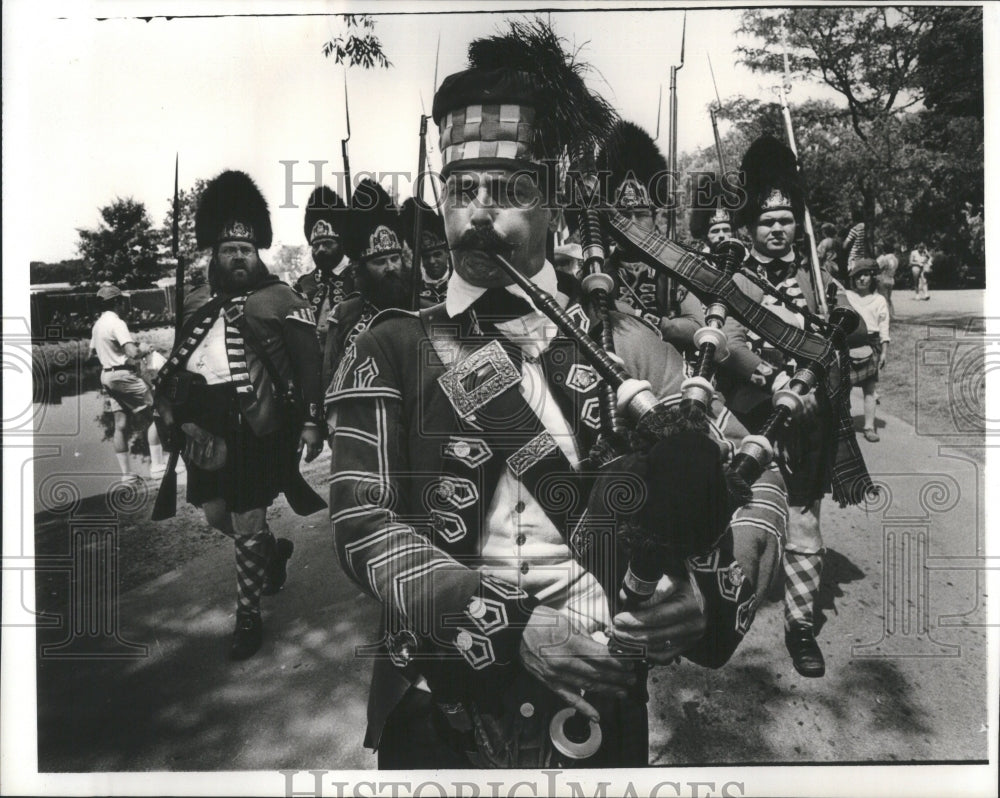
{"x": 123, "y": 249}
{"x": 65, "y": 271}
{"x": 950, "y": 69}
{"x": 188, "y": 200}
{"x": 914, "y": 174}
{"x": 359, "y": 46}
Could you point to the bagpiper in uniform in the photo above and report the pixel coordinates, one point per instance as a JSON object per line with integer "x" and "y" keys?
{"x": 373, "y": 241}
{"x": 435, "y": 259}
{"x": 772, "y": 216}
{"x": 447, "y": 426}
{"x": 638, "y": 190}
{"x": 332, "y": 280}
{"x": 243, "y": 386}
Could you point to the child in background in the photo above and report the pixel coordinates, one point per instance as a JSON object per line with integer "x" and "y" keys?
{"x": 868, "y": 360}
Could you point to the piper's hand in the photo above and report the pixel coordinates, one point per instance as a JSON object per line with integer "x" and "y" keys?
{"x": 570, "y": 662}
{"x": 881, "y": 362}
{"x": 809, "y": 406}
{"x": 668, "y": 624}
{"x": 312, "y": 441}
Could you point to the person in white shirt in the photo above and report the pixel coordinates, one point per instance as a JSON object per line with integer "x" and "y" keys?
{"x": 128, "y": 393}
{"x": 920, "y": 266}
{"x": 868, "y": 360}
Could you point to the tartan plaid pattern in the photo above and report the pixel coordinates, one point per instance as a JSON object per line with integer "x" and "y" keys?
{"x": 850, "y": 479}
{"x": 252, "y": 555}
{"x": 487, "y": 131}
{"x": 802, "y": 575}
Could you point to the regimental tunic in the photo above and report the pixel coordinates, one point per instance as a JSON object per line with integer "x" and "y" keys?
{"x": 445, "y": 491}
{"x": 746, "y": 376}
{"x": 346, "y": 322}
{"x": 324, "y": 295}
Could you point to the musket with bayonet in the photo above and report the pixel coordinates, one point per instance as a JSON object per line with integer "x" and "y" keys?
{"x": 418, "y": 195}
{"x": 782, "y": 90}
{"x": 343, "y": 146}
{"x": 715, "y": 122}
{"x": 671, "y": 308}
{"x": 166, "y": 498}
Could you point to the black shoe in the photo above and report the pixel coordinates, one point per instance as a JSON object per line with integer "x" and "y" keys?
{"x": 806, "y": 656}
{"x": 247, "y": 638}
{"x": 277, "y": 573}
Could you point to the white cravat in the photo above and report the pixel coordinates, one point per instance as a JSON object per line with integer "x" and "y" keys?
{"x": 517, "y": 532}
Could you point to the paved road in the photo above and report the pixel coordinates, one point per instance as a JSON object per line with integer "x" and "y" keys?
{"x": 903, "y": 631}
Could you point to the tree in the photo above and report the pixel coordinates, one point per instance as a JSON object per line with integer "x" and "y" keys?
{"x": 913, "y": 169}
{"x": 65, "y": 271}
{"x": 188, "y": 200}
{"x": 950, "y": 62}
{"x": 359, "y": 46}
{"x": 123, "y": 248}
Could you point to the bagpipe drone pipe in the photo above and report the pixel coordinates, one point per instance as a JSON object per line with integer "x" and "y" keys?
{"x": 663, "y": 494}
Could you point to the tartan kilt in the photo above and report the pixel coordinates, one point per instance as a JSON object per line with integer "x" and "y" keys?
{"x": 865, "y": 368}
{"x": 252, "y": 475}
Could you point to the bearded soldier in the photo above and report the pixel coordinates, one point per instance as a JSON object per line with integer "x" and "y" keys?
{"x": 243, "y": 387}
{"x": 435, "y": 258}
{"x": 710, "y": 222}
{"x": 332, "y": 280}
{"x": 446, "y": 427}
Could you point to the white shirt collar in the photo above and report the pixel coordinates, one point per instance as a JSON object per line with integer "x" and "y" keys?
{"x": 339, "y": 268}
{"x": 462, "y": 293}
{"x": 788, "y": 257}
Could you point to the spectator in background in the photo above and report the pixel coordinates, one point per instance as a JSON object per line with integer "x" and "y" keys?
{"x": 920, "y": 267}
{"x": 829, "y": 250}
{"x": 854, "y": 244}
{"x": 868, "y": 360}
{"x": 888, "y": 263}
{"x": 127, "y": 392}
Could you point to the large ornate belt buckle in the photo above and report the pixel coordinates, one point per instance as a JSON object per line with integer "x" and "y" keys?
{"x": 479, "y": 378}
{"x": 532, "y": 453}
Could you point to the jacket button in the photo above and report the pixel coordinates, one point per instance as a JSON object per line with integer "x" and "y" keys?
{"x": 520, "y": 540}
{"x": 519, "y": 507}
{"x": 524, "y": 568}
{"x": 476, "y": 608}
{"x": 527, "y": 709}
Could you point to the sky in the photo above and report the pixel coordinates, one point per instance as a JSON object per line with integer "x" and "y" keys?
{"x": 94, "y": 109}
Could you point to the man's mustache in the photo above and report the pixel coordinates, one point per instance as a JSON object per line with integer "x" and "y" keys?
{"x": 486, "y": 239}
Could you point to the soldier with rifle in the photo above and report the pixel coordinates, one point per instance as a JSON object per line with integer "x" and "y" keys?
{"x": 241, "y": 393}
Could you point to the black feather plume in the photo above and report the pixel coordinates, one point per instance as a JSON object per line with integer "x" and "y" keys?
{"x": 324, "y": 203}
{"x": 432, "y": 223}
{"x": 371, "y": 207}
{"x": 568, "y": 115}
{"x": 630, "y": 151}
{"x": 769, "y": 164}
{"x": 230, "y": 197}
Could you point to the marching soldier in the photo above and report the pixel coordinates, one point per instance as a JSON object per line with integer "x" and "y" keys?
{"x": 243, "y": 387}
{"x": 445, "y": 427}
{"x": 638, "y": 189}
{"x": 332, "y": 280}
{"x": 773, "y": 215}
{"x": 709, "y": 222}
{"x": 435, "y": 258}
{"x": 373, "y": 241}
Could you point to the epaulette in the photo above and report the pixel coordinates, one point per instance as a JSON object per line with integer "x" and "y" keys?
{"x": 393, "y": 313}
